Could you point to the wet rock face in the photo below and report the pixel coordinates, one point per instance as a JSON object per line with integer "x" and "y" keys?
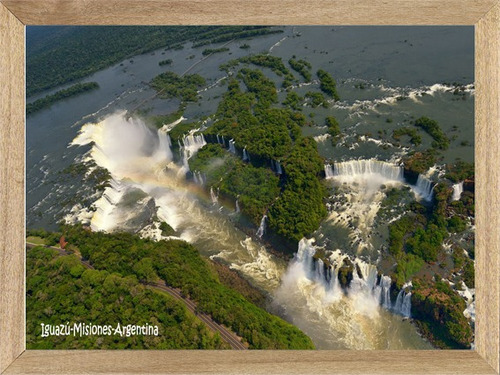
{"x": 345, "y": 273}
{"x": 469, "y": 185}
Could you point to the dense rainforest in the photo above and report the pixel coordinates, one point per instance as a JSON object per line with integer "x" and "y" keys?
{"x": 97, "y": 47}
{"x": 127, "y": 256}
{"x": 61, "y": 290}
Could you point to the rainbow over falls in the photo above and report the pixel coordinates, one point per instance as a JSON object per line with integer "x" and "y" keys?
{"x": 148, "y": 186}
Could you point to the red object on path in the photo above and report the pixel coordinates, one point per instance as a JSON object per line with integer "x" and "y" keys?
{"x": 62, "y": 242}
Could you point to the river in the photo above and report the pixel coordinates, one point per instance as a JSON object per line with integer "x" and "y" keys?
{"x": 419, "y": 64}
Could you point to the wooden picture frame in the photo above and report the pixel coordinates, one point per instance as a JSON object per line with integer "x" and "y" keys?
{"x": 15, "y": 14}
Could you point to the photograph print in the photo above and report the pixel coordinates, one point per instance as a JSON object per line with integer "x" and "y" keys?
{"x": 250, "y": 187}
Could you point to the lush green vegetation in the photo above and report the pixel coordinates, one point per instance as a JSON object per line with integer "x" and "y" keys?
{"x": 415, "y": 138}
{"x": 266, "y": 61}
{"x": 209, "y": 51}
{"x": 432, "y": 128}
{"x": 416, "y": 245}
{"x": 165, "y": 62}
{"x": 170, "y": 85}
{"x": 181, "y": 266}
{"x": 439, "y": 313}
{"x": 166, "y": 230}
{"x": 97, "y": 47}
{"x": 254, "y": 188}
{"x": 420, "y": 162}
{"x": 462, "y": 263}
{"x": 59, "y": 289}
{"x": 265, "y": 132}
{"x": 300, "y": 209}
{"x": 460, "y": 171}
{"x": 98, "y": 176}
{"x": 328, "y": 84}
{"x": 317, "y": 99}
{"x": 258, "y": 83}
{"x": 268, "y": 134}
{"x": 333, "y": 128}
{"x": 293, "y": 101}
{"x": 422, "y": 230}
{"x": 159, "y": 120}
{"x": 48, "y": 100}
{"x": 229, "y": 33}
{"x": 302, "y": 67}
{"x": 180, "y": 130}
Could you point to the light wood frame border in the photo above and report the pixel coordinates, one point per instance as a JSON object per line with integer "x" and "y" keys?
{"x": 15, "y": 14}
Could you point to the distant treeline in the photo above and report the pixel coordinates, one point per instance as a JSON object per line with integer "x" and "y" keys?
{"x": 59, "y": 95}
{"x": 56, "y": 56}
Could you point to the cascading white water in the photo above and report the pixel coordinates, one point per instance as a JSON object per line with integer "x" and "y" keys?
{"x": 276, "y": 167}
{"x": 144, "y": 177}
{"x": 375, "y": 173}
{"x": 423, "y": 188}
{"x": 360, "y": 194}
{"x": 246, "y": 157}
{"x": 232, "y": 149}
{"x": 134, "y": 163}
{"x": 369, "y": 168}
{"x": 237, "y": 204}
{"x": 164, "y": 149}
{"x": 262, "y": 227}
{"x": 385, "y": 288}
{"x": 213, "y": 196}
{"x": 199, "y": 178}
{"x": 458, "y": 189}
{"x": 329, "y": 171}
{"x": 311, "y": 292}
{"x": 191, "y": 143}
{"x": 402, "y": 306}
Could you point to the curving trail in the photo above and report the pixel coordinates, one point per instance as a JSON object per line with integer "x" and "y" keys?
{"x": 228, "y": 336}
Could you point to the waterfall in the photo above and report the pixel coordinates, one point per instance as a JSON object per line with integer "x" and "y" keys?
{"x": 199, "y": 178}
{"x": 165, "y": 143}
{"x": 368, "y": 167}
{"x": 458, "y": 189}
{"x": 375, "y": 172}
{"x": 368, "y": 288}
{"x": 402, "y": 306}
{"x": 191, "y": 143}
{"x": 276, "y": 166}
{"x": 424, "y": 188}
{"x": 213, "y": 196}
{"x": 385, "y": 289}
{"x": 329, "y": 171}
{"x": 232, "y": 149}
{"x": 237, "y": 206}
{"x": 246, "y": 157}
{"x": 406, "y": 308}
{"x": 262, "y": 227}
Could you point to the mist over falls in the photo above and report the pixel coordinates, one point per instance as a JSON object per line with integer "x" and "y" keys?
{"x": 148, "y": 187}
{"x": 145, "y": 169}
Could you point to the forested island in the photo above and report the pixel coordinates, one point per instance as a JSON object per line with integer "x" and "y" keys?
{"x": 71, "y": 91}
